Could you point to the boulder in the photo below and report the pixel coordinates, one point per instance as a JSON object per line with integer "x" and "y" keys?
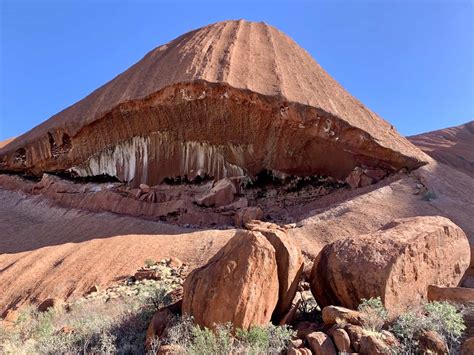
{"x": 355, "y": 333}
{"x": 335, "y": 315}
{"x": 372, "y": 345}
{"x": 239, "y": 284}
{"x": 159, "y": 322}
{"x": 467, "y": 347}
{"x": 341, "y": 340}
{"x": 289, "y": 260}
{"x": 320, "y": 344}
{"x": 430, "y": 342}
{"x": 144, "y": 188}
{"x": 171, "y": 349}
{"x": 397, "y": 263}
{"x": 247, "y": 214}
{"x": 221, "y": 194}
{"x": 461, "y": 295}
{"x": 299, "y": 351}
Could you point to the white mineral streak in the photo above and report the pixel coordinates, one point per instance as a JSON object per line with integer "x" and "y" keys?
{"x": 190, "y": 158}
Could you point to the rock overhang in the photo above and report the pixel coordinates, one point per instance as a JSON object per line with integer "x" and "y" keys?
{"x": 213, "y": 119}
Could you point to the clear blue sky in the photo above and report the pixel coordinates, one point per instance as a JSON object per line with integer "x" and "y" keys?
{"x": 409, "y": 61}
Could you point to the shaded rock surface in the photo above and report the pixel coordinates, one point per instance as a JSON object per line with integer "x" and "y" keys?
{"x": 289, "y": 262}
{"x": 397, "y": 263}
{"x": 208, "y": 103}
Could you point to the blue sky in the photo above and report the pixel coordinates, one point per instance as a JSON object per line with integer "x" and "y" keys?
{"x": 409, "y": 61}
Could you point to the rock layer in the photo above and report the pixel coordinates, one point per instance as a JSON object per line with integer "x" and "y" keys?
{"x": 396, "y": 263}
{"x": 228, "y": 99}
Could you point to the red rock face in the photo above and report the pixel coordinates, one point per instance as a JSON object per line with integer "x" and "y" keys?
{"x": 453, "y": 146}
{"x": 229, "y": 99}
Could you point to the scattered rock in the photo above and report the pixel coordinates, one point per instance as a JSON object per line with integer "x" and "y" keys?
{"x": 247, "y": 214}
{"x": 239, "y": 284}
{"x": 335, "y": 315}
{"x": 54, "y": 303}
{"x": 431, "y": 342}
{"x": 299, "y": 351}
{"x": 92, "y": 289}
{"x": 289, "y": 261}
{"x": 159, "y": 322}
{"x": 320, "y": 343}
{"x": 355, "y": 333}
{"x": 372, "y": 345}
{"x": 341, "y": 340}
{"x": 144, "y": 188}
{"x": 304, "y": 328}
{"x": 407, "y": 254}
{"x": 147, "y": 274}
{"x": 221, "y": 194}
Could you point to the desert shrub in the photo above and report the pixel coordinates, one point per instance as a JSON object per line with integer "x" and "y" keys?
{"x": 374, "y": 313}
{"x": 150, "y": 262}
{"x": 429, "y": 196}
{"x": 193, "y": 339}
{"x": 441, "y": 317}
{"x": 100, "y": 325}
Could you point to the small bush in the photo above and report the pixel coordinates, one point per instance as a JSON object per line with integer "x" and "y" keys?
{"x": 374, "y": 314}
{"x": 269, "y": 339}
{"x": 150, "y": 262}
{"x": 441, "y": 317}
{"x": 429, "y": 196}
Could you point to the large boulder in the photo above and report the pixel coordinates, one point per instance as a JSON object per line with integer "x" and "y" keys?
{"x": 289, "y": 260}
{"x": 397, "y": 263}
{"x": 221, "y": 194}
{"x": 239, "y": 284}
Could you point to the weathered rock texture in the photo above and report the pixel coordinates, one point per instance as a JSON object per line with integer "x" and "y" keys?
{"x": 239, "y": 284}
{"x": 453, "y": 146}
{"x": 228, "y": 99}
{"x": 289, "y": 262}
{"x": 397, "y": 263}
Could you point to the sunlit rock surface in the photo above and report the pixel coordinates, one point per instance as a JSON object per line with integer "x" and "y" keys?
{"x": 229, "y": 99}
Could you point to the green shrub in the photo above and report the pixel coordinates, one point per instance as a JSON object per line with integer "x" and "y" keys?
{"x": 269, "y": 339}
{"x": 374, "y": 314}
{"x": 150, "y": 262}
{"x": 441, "y": 317}
{"x": 429, "y": 196}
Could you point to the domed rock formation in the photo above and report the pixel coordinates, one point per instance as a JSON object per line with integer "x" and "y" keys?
{"x": 232, "y": 98}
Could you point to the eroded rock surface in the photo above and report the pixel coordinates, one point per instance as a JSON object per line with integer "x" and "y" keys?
{"x": 209, "y": 103}
{"x": 397, "y": 263}
{"x": 239, "y": 284}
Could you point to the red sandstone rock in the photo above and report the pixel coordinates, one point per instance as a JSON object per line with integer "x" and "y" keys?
{"x": 341, "y": 340}
{"x": 320, "y": 344}
{"x": 452, "y": 146}
{"x": 431, "y": 342}
{"x": 289, "y": 261}
{"x": 372, "y": 345}
{"x": 221, "y": 194}
{"x": 334, "y": 315}
{"x": 209, "y": 103}
{"x": 50, "y": 303}
{"x": 461, "y": 295}
{"x": 397, "y": 263}
{"x": 467, "y": 347}
{"x": 247, "y": 214}
{"x": 239, "y": 284}
{"x": 355, "y": 333}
